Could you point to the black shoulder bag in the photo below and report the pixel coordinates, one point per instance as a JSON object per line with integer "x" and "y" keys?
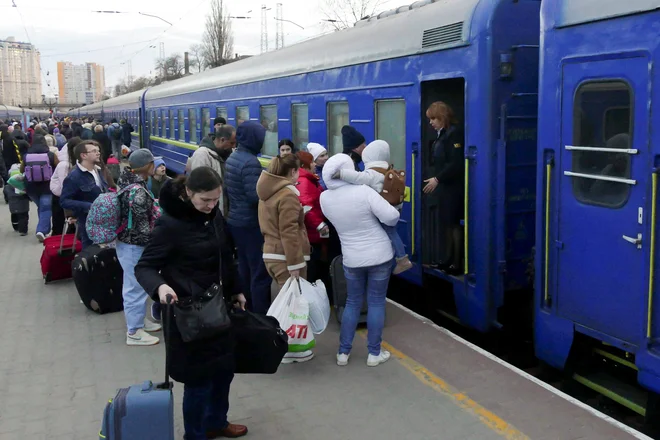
{"x": 204, "y": 316}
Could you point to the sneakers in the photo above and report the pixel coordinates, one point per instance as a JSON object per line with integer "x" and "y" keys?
{"x": 156, "y": 312}
{"x": 342, "y": 359}
{"x": 402, "y": 265}
{"x": 374, "y": 361}
{"x": 22, "y": 234}
{"x": 41, "y": 237}
{"x": 141, "y": 338}
{"x": 303, "y": 356}
{"x": 150, "y": 326}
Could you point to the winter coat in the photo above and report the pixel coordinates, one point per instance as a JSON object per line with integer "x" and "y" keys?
{"x": 155, "y": 185}
{"x": 243, "y": 170}
{"x": 61, "y": 171}
{"x": 319, "y": 173}
{"x": 106, "y": 146}
{"x": 207, "y": 156}
{"x": 39, "y": 147}
{"x": 8, "y": 149}
{"x": 357, "y": 211}
{"x": 126, "y": 131}
{"x": 186, "y": 251}
{"x": 79, "y": 190}
{"x": 114, "y": 126}
{"x": 310, "y": 193}
{"x": 61, "y": 140}
{"x": 142, "y": 209}
{"x": 282, "y": 222}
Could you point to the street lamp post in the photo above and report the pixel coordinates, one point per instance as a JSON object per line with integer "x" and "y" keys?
{"x": 289, "y": 21}
{"x": 141, "y": 13}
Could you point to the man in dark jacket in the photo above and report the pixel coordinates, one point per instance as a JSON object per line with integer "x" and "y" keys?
{"x": 243, "y": 170}
{"x": 126, "y": 130}
{"x": 354, "y": 144}
{"x": 83, "y": 185}
{"x": 102, "y": 138}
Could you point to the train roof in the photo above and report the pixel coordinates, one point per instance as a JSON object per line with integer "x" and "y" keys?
{"x": 572, "y": 12}
{"x": 424, "y": 26}
{"x": 128, "y": 98}
{"x": 92, "y": 107}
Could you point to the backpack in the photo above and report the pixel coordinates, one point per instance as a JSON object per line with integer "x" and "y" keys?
{"x": 104, "y": 220}
{"x": 116, "y": 133}
{"x": 37, "y": 167}
{"x": 394, "y": 185}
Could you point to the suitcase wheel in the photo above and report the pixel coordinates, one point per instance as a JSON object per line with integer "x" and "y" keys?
{"x": 47, "y": 278}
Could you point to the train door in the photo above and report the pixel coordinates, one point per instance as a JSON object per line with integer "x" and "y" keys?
{"x": 604, "y": 170}
{"x": 451, "y": 92}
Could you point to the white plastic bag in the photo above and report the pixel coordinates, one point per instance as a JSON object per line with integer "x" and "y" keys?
{"x": 319, "y": 304}
{"x": 292, "y": 312}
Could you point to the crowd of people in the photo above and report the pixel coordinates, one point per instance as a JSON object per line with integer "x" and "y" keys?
{"x": 226, "y": 219}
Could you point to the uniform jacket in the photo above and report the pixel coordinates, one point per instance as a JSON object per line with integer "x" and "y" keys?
{"x": 357, "y": 211}
{"x": 310, "y": 194}
{"x": 206, "y": 156}
{"x": 126, "y": 131}
{"x": 449, "y": 168}
{"x": 142, "y": 210}
{"x": 243, "y": 171}
{"x": 282, "y": 222}
{"x": 187, "y": 251}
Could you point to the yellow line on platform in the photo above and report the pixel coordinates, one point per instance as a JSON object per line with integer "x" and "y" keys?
{"x": 460, "y": 399}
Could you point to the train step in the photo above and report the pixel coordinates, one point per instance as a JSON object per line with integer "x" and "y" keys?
{"x": 615, "y": 357}
{"x": 627, "y": 395}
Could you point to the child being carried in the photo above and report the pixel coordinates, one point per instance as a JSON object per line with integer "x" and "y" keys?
{"x": 376, "y": 158}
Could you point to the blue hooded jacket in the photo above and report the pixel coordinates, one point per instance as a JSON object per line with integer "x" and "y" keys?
{"x": 242, "y": 173}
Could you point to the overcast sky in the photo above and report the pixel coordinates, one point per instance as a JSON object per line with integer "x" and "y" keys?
{"x": 70, "y": 31}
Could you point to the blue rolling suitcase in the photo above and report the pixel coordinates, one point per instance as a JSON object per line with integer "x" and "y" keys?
{"x": 141, "y": 412}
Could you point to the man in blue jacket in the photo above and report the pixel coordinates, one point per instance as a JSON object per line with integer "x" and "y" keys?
{"x": 242, "y": 172}
{"x": 83, "y": 185}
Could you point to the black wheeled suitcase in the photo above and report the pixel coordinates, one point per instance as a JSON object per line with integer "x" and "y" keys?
{"x": 260, "y": 343}
{"x": 98, "y": 277}
{"x": 340, "y": 291}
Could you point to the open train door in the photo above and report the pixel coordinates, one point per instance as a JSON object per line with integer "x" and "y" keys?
{"x": 604, "y": 170}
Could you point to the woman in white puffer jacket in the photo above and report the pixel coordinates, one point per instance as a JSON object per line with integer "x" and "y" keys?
{"x": 357, "y": 212}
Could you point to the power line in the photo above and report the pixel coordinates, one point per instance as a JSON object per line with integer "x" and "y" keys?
{"x": 94, "y": 50}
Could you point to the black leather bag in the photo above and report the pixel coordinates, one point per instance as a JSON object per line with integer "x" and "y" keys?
{"x": 260, "y": 343}
{"x": 202, "y": 317}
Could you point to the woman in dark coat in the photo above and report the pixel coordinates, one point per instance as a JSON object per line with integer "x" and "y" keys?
{"x": 448, "y": 183}
{"x": 189, "y": 251}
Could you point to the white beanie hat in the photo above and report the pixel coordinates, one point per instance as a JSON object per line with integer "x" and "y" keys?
{"x": 316, "y": 149}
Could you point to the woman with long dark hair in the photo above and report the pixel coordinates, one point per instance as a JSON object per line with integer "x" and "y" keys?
{"x": 188, "y": 252}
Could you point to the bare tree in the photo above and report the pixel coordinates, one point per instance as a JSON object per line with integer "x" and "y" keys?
{"x": 218, "y": 39}
{"x": 342, "y": 14}
{"x": 196, "y": 53}
{"x": 139, "y": 83}
{"x": 171, "y": 67}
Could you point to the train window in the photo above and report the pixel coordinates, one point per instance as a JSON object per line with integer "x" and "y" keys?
{"x": 153, "y": 123}
{"x": 221, "y": 112}
{"x": 206, "y": 121}
{"x": 300, "y": 122}
{"x": 192, "y": 125}
{"x": 337, "y": 118}
{"x": 602, "y": 118}
{"x": 268, "y": 114}
{"x": 171, "y": 124}
{"x": 391, "y": 127}
{"x": 182, "y": 126}
{"x": 242, "y": 114}
{"x": 163, "y": 124}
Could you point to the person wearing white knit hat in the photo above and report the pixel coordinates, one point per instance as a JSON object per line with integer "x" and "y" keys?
{"x": 320, "y": 155}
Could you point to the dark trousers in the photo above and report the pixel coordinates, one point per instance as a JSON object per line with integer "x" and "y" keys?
{"x": 58, "y": 216}
{"x": 251, "y": 268}
{"x": 205, "y": 406}
{"x": 20, "y": 222}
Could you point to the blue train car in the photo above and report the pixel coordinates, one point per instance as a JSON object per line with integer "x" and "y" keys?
{"x": 479, "y": 56}
{"x": 129, "y": 107}
{"x": 24, "y": 115}
{"x": 597, "y": 186}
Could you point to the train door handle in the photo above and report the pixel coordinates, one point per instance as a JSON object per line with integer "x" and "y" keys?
{"x": 636, "y": 241}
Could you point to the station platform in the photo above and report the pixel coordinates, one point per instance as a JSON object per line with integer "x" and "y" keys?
{"x": 59, "y": 364}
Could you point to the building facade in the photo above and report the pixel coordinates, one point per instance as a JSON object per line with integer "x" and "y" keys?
{"x": 84, "y": 83}
{"x": 20, "y": 73}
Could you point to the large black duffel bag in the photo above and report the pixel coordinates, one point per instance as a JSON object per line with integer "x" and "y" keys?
{"x": 98, "y": 277}
{"x": 260, "y": 343}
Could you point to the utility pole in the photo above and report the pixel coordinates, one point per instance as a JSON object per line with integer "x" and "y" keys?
{"x": 162, "y": 58}
{"x": 279, "y": 27}
{"x": 264, "y": 29}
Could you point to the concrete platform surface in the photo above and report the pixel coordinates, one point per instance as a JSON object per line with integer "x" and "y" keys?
{"x": 59, "y": 364}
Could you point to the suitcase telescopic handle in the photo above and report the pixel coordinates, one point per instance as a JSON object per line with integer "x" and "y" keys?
{"x": 75, "y": 235}
{"x": 169, "y": 299}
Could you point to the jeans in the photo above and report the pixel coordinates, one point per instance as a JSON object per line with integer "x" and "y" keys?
{"x": 116, "y": 148}
{"x": 44, "y": 209}
{"x": 135, "y": 298}
{"x": 251, "y": 268}
{"x": 205, "y": 406}
{"x": 397, "y": 244}
{"x": 373, "y": 282}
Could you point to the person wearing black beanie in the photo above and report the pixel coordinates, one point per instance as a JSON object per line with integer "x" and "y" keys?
{"x": 354, "y": 143}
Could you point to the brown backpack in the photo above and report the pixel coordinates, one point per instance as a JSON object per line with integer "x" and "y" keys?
{"x": 394, "y": 185}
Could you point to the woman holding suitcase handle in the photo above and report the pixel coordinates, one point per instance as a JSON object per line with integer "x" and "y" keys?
{"x": 182, "y": 260}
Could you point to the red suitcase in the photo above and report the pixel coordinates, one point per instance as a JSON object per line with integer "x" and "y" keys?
{"x": 58, "y": 254}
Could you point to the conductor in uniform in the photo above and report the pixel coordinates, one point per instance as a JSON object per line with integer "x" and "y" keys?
{"x": 447, "y": 184}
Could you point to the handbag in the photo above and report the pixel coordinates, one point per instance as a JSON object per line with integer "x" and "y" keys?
{"x": 203, "y": 316}
{"x": 260, "y": 343}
